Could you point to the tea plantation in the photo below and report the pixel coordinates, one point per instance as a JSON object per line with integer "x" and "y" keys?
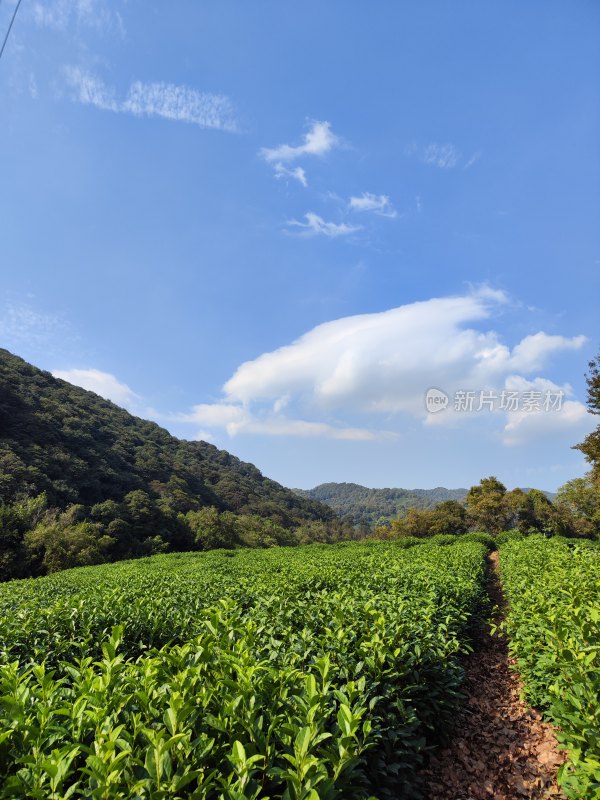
{"x": 327, "y": 671}
{"x": 319, "y": 672}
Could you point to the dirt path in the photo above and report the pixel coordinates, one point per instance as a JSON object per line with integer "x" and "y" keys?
{"x": 500, "y": 750}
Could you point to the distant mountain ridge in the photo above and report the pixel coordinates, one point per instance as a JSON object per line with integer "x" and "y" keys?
{"x": 368, "y": 506}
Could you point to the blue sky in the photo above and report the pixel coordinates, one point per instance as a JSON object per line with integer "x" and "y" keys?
{"x": 276, "y": 226}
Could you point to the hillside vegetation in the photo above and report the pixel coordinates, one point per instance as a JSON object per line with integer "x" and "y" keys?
{"x": 105, "y": 484}
{"x": 372, "y": 506}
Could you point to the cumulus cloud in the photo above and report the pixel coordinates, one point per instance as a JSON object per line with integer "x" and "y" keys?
{"x": 382, "y": 364}
{"x": 167, "y": 100}
{"x": 532, "y": 351}
{"x": 525, "y": 426}
{"x": 318, "y": 141}
{"x": 317, "y": 226}
{"x": 102, "y": 383}
{"x": 376, "y": 203}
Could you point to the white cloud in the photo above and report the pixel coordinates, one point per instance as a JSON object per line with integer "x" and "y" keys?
{"x": 166, "y": 100}
{"x": 102, "y": 383}
{"x": 382, "y": 364}
{"x": 23, "y": 327}
{"x": 180, "y": 103}
{"x": 473, "y": 160}
{"x": 318, "y": 141}
{"x": 444, "y": 156}
{"x": 204, "y": 436}
{"x": 297, "y": 173}
{"x": 89, "y": 90}
{"x": 524, "y": 427}
{"x": 61, "y": 14}
{"x": 441, "y": 155}
{"x": 377, "y": 203}
{"x": 317, "y": 226}
{"x": 532, "y": 351}
{"x": 236, "y": 419}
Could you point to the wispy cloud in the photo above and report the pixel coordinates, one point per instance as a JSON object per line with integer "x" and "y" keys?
{"x": 376, "y": 203}
{"x": 23, "y": 328}
{"x": 317, "y": 226}
{"x": 444, "y": 156}
{"x": 318, "y": 141}
{"x": 90, "y": 90}
{"x": 297, "y": 173}
{"x": 441, "y": 155}
{"x": 473, "y": 160}
{"x": 62, "y": 14}
{"x": 236, "y": 420}
{"x": 166, "y": 100}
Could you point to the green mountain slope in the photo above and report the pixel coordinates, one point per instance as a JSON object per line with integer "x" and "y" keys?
{"x": 367, "y": 506}
{"x": 82, "y": 449}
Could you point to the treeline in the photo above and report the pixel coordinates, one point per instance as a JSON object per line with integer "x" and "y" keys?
{"x": 37, "y": 539}
{"x": 491, "y": 508}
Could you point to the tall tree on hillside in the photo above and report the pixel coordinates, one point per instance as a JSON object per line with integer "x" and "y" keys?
{"x": 590, "y": 446}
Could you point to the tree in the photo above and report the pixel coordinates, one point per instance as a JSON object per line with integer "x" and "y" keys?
{"x": 74, "y": 546}
{"x": 212, "y": 529}
{"x": 590, "y": 446}
{"x": 486, "y": 506}
{"x": 416, "y": 522}
{"x": 519, "y": 510}
{"x": 450, "y": 516}
{"x": 546, "y": 518}
{"x": 579, "y": 503}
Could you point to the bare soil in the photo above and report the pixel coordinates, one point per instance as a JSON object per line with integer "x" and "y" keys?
{"x": 500, "y": 749}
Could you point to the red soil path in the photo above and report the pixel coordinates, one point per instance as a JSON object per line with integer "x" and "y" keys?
{"x": 500, "y": 749}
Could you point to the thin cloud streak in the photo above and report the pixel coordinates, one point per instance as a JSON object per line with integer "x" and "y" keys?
{"x": 444, "y": 156}
{"x": 166, "y": 100}
{"x": 376, "y": 203}
{"x": 317, "y": 226}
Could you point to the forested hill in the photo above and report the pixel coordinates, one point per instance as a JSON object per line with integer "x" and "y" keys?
{"x": 368, "y": 506}
{"x": 81, "y": 449}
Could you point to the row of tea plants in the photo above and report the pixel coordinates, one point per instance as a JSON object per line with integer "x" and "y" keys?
{"x": 553, "y": 590}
